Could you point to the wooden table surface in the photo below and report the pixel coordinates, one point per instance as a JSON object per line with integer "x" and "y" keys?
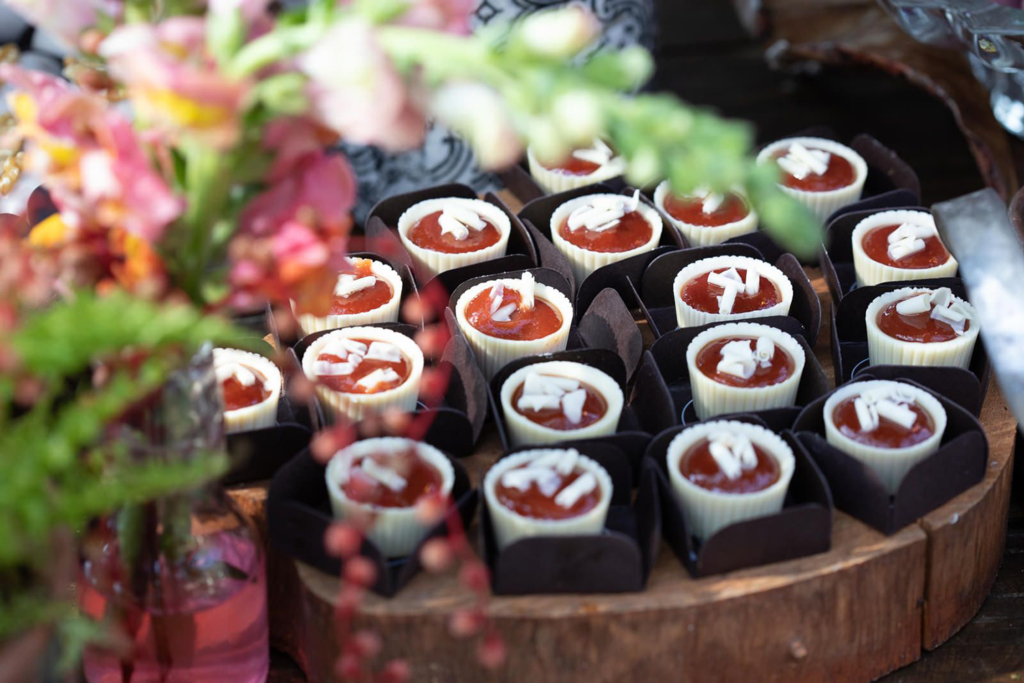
{"x": 705, "y": 57}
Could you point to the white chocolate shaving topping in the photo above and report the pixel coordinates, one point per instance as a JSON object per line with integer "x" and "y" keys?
{"x": 603, "y": 212}
{"x": 382, "y": 474}
{"x": 527, "y": 289}
{"x": 943, "y": 306}
{"x": 348, "y": 284}
{"x": 732, "y": 285}
{"x": 459, "y": 220}
{"x": 547, "y": 471}
{"x": 353, "y": 353}
{"x": 378, "y": 376}
{"x": 909, "y": 238}
{"x": 739, "y": 359}
{"x": 884, "y": 402}
{"x": 547, "y": 392}
{"x": 583, "y": 485}
{"x": 801, "y": 162}
{"x": 733, "y": 453}
{"x": 241, "y": 373}
{"x": 600, "y": 154}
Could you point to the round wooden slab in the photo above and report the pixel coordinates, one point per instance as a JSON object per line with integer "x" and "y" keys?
{"x": 866, "y": 607}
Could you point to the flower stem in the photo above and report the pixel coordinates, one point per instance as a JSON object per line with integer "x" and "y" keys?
{"x": 207, "y": 186}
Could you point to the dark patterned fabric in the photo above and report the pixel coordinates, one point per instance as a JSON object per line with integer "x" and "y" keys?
{"x": 446, "y": 159}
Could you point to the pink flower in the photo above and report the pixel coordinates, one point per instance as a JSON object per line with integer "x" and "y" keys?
{"x": 297, "y": 249}
{"x": 291, "y": 141}
{"x": 451, "y": 16}
{"x": 65, "y": 19}
{"x": 320, "y": 189}
{"x": 292, "y": 238}
{"x": 173, "y": 82}
{"x": 356, "y": 91}
{"x": 89, "y": 157}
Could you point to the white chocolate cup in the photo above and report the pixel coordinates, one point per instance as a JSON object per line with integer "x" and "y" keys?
{"x": 522, "y": 431}
{"x": 263, "y": 414}
{"x": 890, "y": 464}
{"x": 553, "y": 182}
{"x": 688, "y": 316}
{"x": 493, "y": 353}
{"x": 823, "y": 204}
{"x": 356, "y": 406}
{"x": 705, "y": 511}
{"x": 711, "y": 398}
{"x": 395, "y": 531}
{"x": 583, "y": 261}
{"x": 434, "y": 262}
{"x": 510, "y": 526}
{"x": 703, "y": 235}
{"x": 884, "y": 350}
{"x": 871, "y": 272}
{"x": 386, "y": 313}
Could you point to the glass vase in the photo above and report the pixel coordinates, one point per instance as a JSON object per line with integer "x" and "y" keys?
{"x": 178, "y": 583}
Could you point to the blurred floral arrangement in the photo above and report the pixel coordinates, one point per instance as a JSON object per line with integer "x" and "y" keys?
{"x": 187, "y": 157}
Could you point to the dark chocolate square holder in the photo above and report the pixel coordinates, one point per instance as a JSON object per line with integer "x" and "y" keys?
{"x": 850, "y": 348}
{"x": 637, "y": 421}
{"x": 668, "y": 356}
{"x": 299, "y": 513}
{"x": 803, "y": 526}
{"x": 837, "y": 253}
{"x": 616, "y": 561}
{"x": 658, "y": 293}
{"x": 605, "y": 323}
{"x": 455, "y": 424}
{"x": 537, "y": 214}
{"x": 382, "y": 235}
{"x": 959, "y": 464}
{"x": 257, "y": 454}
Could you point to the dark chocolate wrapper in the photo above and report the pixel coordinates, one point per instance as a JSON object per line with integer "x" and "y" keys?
{"x": 382, "y": 233}
{"x": 850, "y": 347}
{"x": 958, "y": 465}
{"x": 299, "y": 513}
{"x": 803, "y": 526}
{"x": 256, "y": 455}
{"x": 455, "y": 424}
{"x": 668, "y": 354}
{"x": 658, "y": 292}
{"x": 618, "y": 560}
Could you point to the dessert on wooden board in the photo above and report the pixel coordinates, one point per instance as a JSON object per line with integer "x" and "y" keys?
{"x": 362, "y": 370}
{"x": 546, "y": 492}
{"x": 452, "y": 232}
{"x": 559, "y": 401}
{"x": 723, "y": 472}
{"x": 381, "y": 481}
{"x": 367, "y": 291}
{"x": 250, "y": 388}
{"x": 507, "y": 318}
{"x": 706, "y": 217}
